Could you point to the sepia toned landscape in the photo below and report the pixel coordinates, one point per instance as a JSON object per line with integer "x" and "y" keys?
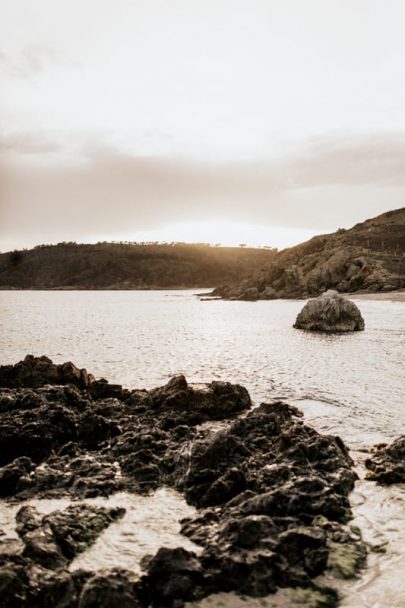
{"x": 202, "y": 304}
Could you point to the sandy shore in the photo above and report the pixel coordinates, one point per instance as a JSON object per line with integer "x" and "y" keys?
{"x": 393, "y": 296}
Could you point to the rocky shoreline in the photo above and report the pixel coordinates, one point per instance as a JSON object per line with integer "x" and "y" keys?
{"x": 271, "y": 492}
{"x": 370, "y": 257}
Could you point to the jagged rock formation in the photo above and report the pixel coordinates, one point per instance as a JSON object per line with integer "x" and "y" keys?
{"x": 331, "y": 313}
{"x": 128, "y": 266}
{"x": 54, "y": 540}
{"x": 368, "y": 257}
{"x": 37, "y": 371}
{"x": 387, "y": 464}
{"x": 271, "y": 492}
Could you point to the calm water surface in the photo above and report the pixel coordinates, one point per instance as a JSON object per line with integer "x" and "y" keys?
{"x": 351, "y": 385}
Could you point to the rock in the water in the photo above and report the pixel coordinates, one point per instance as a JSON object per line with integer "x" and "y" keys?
{"x": 330, "y": 312}
{"x": 40, "y": 544}
{"x": 387, "y": 465}
{"x": 53, "y": 540}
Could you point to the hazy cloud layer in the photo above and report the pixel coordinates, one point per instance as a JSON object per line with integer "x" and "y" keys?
{"x": 27, "y": 143}
{"x": 331, "y": 183}
{"x": 268, "y": 113}
{"x": 33, "y": 60}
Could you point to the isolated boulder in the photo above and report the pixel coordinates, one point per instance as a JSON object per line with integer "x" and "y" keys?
{"x": 330, "y": 312}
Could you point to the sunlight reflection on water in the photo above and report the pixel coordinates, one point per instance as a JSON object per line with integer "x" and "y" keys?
{"x": 352, "y": 384}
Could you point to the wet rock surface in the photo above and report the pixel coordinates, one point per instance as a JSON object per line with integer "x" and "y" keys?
{"x": 330, "y": 313}
{"x": 37, "y": 371}
{"x": 387, "y": 464}
{"x": 116, "y": 588}
{"x": 271, "y": 492}
{"x": 55, "y": 539}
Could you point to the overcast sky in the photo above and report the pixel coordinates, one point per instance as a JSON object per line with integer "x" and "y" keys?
{"x": 256, "y": 121}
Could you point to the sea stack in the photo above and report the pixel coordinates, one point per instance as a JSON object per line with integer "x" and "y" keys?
{"x": 330, "y": 312}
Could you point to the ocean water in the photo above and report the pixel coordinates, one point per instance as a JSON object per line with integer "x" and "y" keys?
{"x": 352, "y": 385}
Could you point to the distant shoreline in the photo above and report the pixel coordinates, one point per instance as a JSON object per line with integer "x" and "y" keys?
{"x": 111, "y": 288}
{"x": 393, "y": 296}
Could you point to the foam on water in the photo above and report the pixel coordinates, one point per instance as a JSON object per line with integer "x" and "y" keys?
{"x": 379, "y": 511}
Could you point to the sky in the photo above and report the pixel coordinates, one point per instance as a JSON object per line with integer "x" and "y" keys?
{"x": 227, "y": 121}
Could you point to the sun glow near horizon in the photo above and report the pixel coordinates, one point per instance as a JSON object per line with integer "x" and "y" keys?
{"x": 221, "y": 232}
{"x": 218, "y": 232}
{"x": 133, "y": 120}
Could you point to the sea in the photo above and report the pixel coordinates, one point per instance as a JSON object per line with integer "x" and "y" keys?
{"x": 351, "y": 385}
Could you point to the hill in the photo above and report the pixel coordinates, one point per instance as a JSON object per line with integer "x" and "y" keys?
{"x": 128, "y": 266}
{"x": 368, "y": 257}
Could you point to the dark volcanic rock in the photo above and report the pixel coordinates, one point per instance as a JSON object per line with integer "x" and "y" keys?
{"x": 37, "y": 371}
{"x": 40, "y": 544}
{"x": 173, "y": 577}
{"x": 265, "y": 532}
{"x": 387, "y": 465}
{"x": 11, "y": 474}
{"x": 54, "y": 589}
{"x": 13, "y": 586}
{"x": 116, "y": 588}
{"x": 331, "y": 313}
{"x": 101, "y": 389}
{"x": 271, "y": 492}
{"x": 189, "y": 405}
{"x": 36, "y": 422}
{"x": 265, "y": 451}
{"x": 53, "y": 540}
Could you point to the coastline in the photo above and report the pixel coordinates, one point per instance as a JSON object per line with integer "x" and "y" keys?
{"x": 393, "y": 296}
{"x": 368, "y": 499}
{"x": 107, "y": 288}
{"x": 254, "y": 502}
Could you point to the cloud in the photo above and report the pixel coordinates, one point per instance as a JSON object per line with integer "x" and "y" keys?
{"x": 27, "y": 143}
{"x": 377, "y": 159}
{"x": 330, "y": 183}
{"x": 34, "y": 59}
